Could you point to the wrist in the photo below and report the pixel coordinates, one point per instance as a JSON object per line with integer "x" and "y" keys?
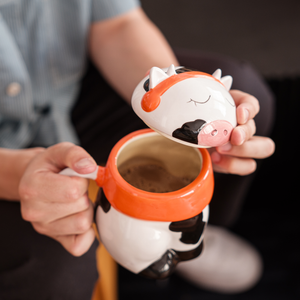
{"x": 12, "y": 169}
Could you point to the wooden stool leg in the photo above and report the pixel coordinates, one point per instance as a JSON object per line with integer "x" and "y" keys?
{"x": 106, "y": 287}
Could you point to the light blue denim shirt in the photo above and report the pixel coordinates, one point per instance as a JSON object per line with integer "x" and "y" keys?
{"x": 42, "y": 59}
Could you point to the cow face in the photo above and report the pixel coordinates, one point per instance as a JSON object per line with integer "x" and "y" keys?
{"x": 192, "y": 108}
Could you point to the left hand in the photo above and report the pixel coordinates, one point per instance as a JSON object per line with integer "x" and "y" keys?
{"x": 237, "y": 156}
{"x": 58, "y": 206}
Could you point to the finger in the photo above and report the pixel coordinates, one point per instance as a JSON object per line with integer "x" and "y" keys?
{"x": 53, "y": 187}
{"x": 247, "y": 106}
{"x": 256, "y": 147}
{"x": 41, "y": 181}
{"x": 242, "y": 133}
{"x": 233, "y": 165}
{"x": 74, "y": 224}
{"x": 46, "y": 212}
{"x": 69, "y": 155}
{"x": 77, "y": 244}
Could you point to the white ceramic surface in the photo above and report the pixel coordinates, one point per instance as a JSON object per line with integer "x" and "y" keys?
{"x": 136, "y": 244}
{"x": 201, "y": 97}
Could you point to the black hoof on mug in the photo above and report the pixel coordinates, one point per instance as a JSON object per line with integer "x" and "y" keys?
{"x": 163, "y": 267}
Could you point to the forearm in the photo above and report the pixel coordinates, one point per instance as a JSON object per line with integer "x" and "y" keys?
{"x": 126, "y": 47}
{"x": 13, "y": 165}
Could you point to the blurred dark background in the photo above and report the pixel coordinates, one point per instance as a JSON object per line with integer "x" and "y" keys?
{"x": 266, "y": 34}
{"x": 263, "y": 32}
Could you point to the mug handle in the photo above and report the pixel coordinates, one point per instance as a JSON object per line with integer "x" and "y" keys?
{"x": 97, "y": 175}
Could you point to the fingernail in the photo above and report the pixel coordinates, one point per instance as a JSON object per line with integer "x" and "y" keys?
{"x": 215, "y": 157}
{"x": 243, "y": 134}
{"x": 225, "y": 148}
{"x": 246, "y": 114}
{"x": 85, "y": 163}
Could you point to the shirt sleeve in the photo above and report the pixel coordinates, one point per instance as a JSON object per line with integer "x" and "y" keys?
{"x": 103, "y": 9}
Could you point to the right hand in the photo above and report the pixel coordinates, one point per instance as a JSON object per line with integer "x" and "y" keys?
{"x": 238, "y": 156}
{"x": 58, "y": 206}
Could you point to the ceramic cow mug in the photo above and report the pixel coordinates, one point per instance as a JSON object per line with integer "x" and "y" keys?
{"x": 150, "y": 230}
{"x": 155, "y": 191}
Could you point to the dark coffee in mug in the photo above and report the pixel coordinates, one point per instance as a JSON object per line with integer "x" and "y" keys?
{"x": 150, "y": 175}
{"x": 158, "y": 165}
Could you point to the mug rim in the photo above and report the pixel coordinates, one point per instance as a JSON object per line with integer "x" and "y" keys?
{"x": 177, "y": 205}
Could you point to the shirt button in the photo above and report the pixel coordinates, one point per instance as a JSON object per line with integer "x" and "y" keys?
{"x": 13, "y": 89}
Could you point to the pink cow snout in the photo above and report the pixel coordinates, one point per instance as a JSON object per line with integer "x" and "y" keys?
{"x": 215, "y": 134}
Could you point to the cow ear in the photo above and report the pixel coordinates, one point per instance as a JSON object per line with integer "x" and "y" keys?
{"x": 171, "y": 70}
{"x": 217, "y": 74}
{"x": 156, "y": 76}
{"x": 227, "y": 81}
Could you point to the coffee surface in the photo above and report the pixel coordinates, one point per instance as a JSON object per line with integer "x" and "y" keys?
{"x": 151, "y": 175}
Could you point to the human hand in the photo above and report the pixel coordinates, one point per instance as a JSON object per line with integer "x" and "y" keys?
{"x": 58, "y": 206}
{"x": 237, "y": 156}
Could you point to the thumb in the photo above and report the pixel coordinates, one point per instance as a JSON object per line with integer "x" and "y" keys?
{"x": 72, "y": 156}
{"x": 85, "y": 165}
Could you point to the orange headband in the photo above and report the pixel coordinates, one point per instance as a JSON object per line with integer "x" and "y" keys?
{"x": 151, "y": 99}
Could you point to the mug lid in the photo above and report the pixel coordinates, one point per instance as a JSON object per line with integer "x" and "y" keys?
{"x": 190, "y": 107}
